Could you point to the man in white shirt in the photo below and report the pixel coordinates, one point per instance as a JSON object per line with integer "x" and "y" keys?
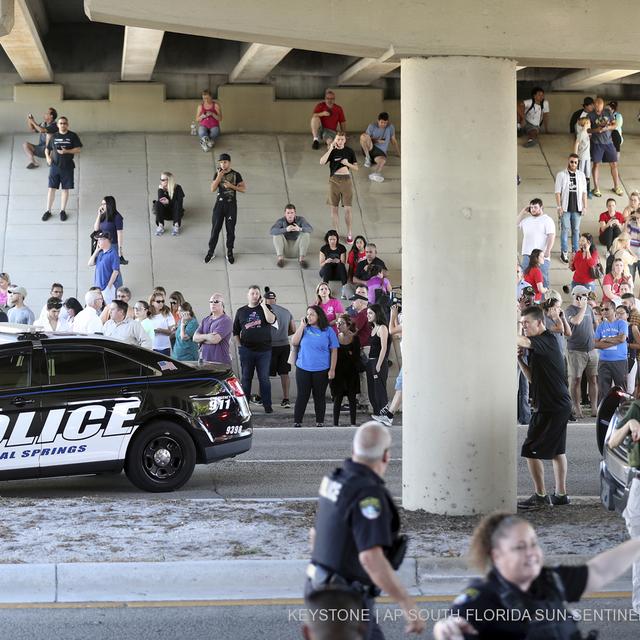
{"x": 533, "y": 114}
{"x": 538, "y": 232}
{"x": 88, "y": 320}
{"x": 571, "y": 201}
{"x": 57, "y": 291}
{"x": 119, "y": 327}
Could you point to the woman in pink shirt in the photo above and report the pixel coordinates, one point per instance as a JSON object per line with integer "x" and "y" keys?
{"x": 331, "y": 306}
{"x": 208, "y": 117}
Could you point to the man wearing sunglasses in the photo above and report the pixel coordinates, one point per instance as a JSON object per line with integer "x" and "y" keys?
{"x": 214, "y": 332}
{"x": 571, "y": 200}
{"x": 19, "y": 312}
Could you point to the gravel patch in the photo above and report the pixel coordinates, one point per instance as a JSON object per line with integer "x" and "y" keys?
{"x": 117, "y": 530}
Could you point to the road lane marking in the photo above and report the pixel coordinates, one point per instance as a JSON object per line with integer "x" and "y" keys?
{"x": 252, "y": 602}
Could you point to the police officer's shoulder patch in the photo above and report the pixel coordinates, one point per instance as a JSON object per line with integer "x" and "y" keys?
{"x": 370, "y": 507}
{"x": 468, "y": 595}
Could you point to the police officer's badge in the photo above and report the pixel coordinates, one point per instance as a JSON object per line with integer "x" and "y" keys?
{"x": 467, "y": 595}
{"x": 370, "y": 508}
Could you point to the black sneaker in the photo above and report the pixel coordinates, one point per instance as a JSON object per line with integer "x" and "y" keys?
{"x": 123, "y": 260}
{"x": 319, "y": 424}
{"x": 255, "y": 399}
{"x": 63, "y": 215}
{"x": 564, "y": 257}
{"x": 46, "y": 215}
{"x": 572, "y": 417}
{"x": 285, "y": 404}
{"x": 207, "y": 258}
{"x": 297, "y": 425}
{"x": 268, "y": 409}
{"x": 534, "y": 502}
{"x": 230, "y": 257}
{"x": 559, "y": 501}
{"x": 315, "y": 145}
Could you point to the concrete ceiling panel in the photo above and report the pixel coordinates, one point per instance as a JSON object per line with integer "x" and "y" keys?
{"x": 411, "y": 28}
{"x": 23, "y": 46}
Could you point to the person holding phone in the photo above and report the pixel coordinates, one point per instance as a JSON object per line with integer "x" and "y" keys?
{"x": 60, "y": 150}
{"x": 46, "y": 129}
{"x": 252, "y": 330}
{"x": 184, "y": 347}
{"x": 227, "y": 182}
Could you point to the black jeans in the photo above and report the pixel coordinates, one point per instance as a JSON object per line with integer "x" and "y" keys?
{"x": 172, "y": 211}
{"x": 334, "y": 271}
{"x": 337, "y": 405}
{"x": 308, "y": 382}
{"x": 223, "y": 211}
{"x": 377, "y": 385}
{"x": 609, "y": 235}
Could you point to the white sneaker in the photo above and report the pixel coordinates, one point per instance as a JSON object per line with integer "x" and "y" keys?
{"x": 176, "y": 230}
{"x": 367, "y": 161}
{"x": 159, "y": 230}
{"x": 204, "y": 144}
{"x": 382, "y": 419}
{"x": 211, "y": 143}
{"x": 376, "y": 177}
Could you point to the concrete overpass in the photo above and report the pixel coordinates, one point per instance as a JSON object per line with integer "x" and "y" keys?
{"x": 458, "y": 69}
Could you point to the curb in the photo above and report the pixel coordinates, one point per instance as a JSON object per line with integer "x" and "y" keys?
{"x": 212, "y": 580}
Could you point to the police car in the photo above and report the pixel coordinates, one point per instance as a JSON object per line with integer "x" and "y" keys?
{"x": 76, "y": 404}
{"x": 615, "y": 472}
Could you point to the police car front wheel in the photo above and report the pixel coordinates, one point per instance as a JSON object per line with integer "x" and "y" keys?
{"x": 161, "y": 458}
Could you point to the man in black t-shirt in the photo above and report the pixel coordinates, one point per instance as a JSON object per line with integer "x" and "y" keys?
{"x": 46, "y": 129}
{"x": 362, "y": 275}
{"x": 340, "y": 158}
{"x": 227, "y": 182}
{"x": 547, "y": 433}
{"x": 61, "y": 148}
{"x": 252, "y": 330}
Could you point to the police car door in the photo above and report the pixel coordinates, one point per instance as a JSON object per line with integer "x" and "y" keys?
{"x": 87, "y": 416}
{"x": 20, "y": 419}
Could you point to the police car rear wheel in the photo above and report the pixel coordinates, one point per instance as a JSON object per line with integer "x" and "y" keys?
{"x": 161, "y": 458}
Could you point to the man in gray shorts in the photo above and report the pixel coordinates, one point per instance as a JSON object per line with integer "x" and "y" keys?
{"x": 46, "y": 129}
{"x": 581, "y": 353}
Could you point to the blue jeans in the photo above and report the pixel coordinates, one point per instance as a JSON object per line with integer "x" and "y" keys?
{"x": 591, "y": 286}
{"x": 544, "y": 268}
{"x": 205, "y": 132}
{"x": 260, "y": 361}
{"x": 569, "y": 218}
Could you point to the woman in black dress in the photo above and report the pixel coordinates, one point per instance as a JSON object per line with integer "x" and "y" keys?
{"x": 377, "y": 368}
{"x": 347, "y": 378}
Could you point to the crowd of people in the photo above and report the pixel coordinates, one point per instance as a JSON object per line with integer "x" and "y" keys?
{"x": 344, "y": 349}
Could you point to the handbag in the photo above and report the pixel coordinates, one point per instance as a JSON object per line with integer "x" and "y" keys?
{"x": 596, "y": 272}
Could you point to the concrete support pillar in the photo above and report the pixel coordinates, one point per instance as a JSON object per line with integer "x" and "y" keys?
{"x": 139, "y": 53}
{"x": 23, "y": 46}
{"x": 458, "y": 275}
{"x": 257, "y": 61}
{"x": 6, "y": 16}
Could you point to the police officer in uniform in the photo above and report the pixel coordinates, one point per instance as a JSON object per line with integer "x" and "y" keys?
{"x": 227, "y": 182}
{"x": 519, "y": 598}
{"x": 356, "y": 541}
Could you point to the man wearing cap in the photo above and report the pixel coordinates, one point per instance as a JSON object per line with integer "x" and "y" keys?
{"x": 581, "y": 352}
{"x": 587, "y": 107}
{"x": 227, "y": 182}
{"x": 19, "y": 312}
{"x": 107, "y": 263}
{"x": 291, "y": 235}
{"x": 280, "y": 348}
{"x": 119, "y": 327}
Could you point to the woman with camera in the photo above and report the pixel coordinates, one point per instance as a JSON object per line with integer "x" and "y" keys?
{"x": 556, "y": 322}
{"x": 316, "y": 362}
{"x": 584, "y": 263}
{"x": 519, "y": 597}
{"x": 184, "y": 347}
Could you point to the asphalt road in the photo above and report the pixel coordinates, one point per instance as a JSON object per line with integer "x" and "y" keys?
{"x": 288, "y": 463}
{"x": 245, "y": 620}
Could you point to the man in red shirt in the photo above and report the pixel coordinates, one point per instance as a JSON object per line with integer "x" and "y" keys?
{"x": 611, "y": 224}
{"x": 327, "y": 119}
